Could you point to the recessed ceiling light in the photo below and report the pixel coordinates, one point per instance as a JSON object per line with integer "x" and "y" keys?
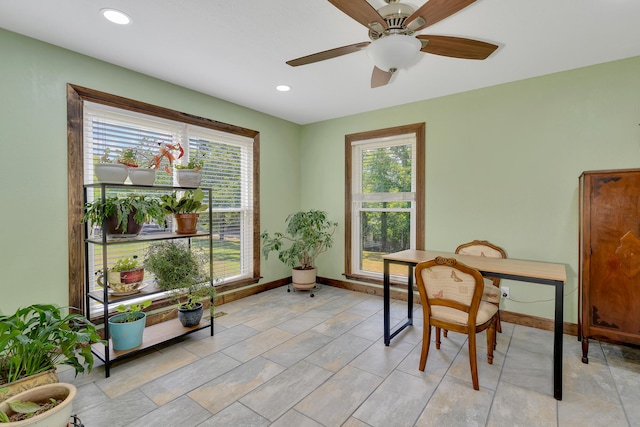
{"x": 283, "y": 88}
{"x": 116, "y": 16}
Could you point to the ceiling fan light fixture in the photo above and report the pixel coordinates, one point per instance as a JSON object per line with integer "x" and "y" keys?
{"x": 394, "y": 51}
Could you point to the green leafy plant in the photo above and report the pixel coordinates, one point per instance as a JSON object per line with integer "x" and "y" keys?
{"x": 126, "y": 264}
{"x": 180, "y": 269}
{"x": 309, "y": 234}
{"x": 38, "y": 338}
{"x": 189, "y": 202}
{"x": 196, "y": 160}
{"x": 131, "y": 311}
{"x": 144, "y": 208}
{"x": 151, "y": 153}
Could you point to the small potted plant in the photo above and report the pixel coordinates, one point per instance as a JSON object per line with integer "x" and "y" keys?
{"x": 180, "y": 269}
{"x": 124, "y": 215}
{"x": 189, "y": 174}
{"x": 126, "y": 328}
{"x": 184, "y": 209}
{"x": 143, "y": 161}
{"x": 35, "y": 340}
{"x": 309, "y": 234}
{"x": 108, "y": 171}
{"x": 125, "y": 276}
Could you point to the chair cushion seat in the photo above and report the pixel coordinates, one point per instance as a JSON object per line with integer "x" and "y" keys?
{"x": 485, "y": 312}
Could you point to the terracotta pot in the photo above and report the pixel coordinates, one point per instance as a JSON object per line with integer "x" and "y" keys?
{"x": 55, "y": 417}
{"x": 186, "y": 223}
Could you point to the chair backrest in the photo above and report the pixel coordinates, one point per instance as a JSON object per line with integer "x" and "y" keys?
{"x": 485, "y": 249}
{"x": 449, "y": 289}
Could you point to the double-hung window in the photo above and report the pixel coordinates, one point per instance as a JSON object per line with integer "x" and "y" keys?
{"x": 385, "y": 197}
{"x": 229, "y": 168}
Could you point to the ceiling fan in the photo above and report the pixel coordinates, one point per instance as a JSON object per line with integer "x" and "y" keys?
{"x": 391, "y": 30}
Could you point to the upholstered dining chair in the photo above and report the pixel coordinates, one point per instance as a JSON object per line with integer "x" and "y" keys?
{"x": 451, "y": 298}
{"x": 491, "y": 291}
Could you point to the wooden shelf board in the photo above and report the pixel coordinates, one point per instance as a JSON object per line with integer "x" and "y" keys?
{"x": 153, "y": 335}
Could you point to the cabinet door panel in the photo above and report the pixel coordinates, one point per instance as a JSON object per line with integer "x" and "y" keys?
{"x": 614, "y": 292}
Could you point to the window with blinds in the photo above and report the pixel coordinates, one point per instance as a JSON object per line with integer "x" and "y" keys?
{"x": 227, "y": 170}
{"x": 383, "y": 199}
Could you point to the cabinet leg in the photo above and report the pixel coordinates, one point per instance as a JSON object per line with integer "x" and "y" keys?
{"x": 585, "y": 349}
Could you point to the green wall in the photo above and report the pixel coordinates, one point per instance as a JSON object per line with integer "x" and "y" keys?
{"x": 502, "y": 163}
{"x": 33, "y": 140}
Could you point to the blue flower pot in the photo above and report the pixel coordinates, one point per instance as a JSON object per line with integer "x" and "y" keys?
{"x": 126, "y": 335}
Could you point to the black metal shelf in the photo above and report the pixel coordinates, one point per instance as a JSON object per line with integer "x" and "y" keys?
{"x": 154, "y": 334}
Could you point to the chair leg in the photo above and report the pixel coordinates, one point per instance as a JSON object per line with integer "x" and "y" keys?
{"x": 426, "y": 338}
{"x": 438, "y": 338}
{"x": 444, "y": 332}
{"x": 473, "y": 361}
{"x": 491, "y": 342}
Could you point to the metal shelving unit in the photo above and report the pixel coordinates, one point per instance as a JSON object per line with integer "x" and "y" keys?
{"x": 155, "y": 334}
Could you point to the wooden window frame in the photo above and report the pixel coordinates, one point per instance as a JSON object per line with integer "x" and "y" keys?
{"x": 419, "y": 130}
{"x": 76, "y": 96}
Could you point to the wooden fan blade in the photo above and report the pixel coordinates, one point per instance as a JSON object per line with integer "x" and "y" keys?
{"x": 380, "y": 77}
{"x": 436, "y": 10}
{"x": 456, "y": 47}
{"x": 361, "y": 11}
{"x": 328, "y": 54}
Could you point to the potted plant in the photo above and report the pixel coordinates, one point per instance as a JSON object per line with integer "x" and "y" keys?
{"x": 125, "y": 276}
{"x": 47, "y": 405}
{"x": 145, "y": 159}
{"x": 184, "y": 209}
{"x": 124, "y": 215}
{"x": 309, "y": 234}
{"x": 110, "y": 172}
{"x": 36, "y": 339}
{"x": 180, "y": 269}
{"x": 126, "y": 328}
{"x": 189, "y": 174}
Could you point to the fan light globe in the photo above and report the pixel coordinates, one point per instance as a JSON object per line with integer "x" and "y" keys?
{"x": 394, "y": 51}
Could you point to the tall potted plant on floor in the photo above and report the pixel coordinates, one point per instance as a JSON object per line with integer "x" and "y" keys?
{"x": 308, "y": 234}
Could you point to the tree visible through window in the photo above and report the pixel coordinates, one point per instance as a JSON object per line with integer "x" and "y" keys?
{"x": 385, "y": 175}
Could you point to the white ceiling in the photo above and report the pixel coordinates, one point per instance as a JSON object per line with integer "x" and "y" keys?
{"x": 236, "y": 49}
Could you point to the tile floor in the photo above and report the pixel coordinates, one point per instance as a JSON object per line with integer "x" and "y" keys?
{"x": 285, "y": 359}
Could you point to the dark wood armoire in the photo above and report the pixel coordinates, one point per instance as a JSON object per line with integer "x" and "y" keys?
{"x": 609, "y": 257}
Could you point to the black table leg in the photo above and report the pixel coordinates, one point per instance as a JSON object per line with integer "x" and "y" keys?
{"x": 386, "y": 304}
{"x": 557, "y": 341}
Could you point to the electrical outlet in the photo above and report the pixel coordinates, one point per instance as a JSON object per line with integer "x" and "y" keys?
{"x": 504, "y": 290}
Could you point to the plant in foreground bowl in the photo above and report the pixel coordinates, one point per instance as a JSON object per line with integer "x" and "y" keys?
{"x": 309, "y": 234}
{"x": 39, "y": 337}
{"x": 120, "y": 210}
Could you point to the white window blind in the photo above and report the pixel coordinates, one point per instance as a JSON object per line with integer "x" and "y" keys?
{"x": 227, "y": 170}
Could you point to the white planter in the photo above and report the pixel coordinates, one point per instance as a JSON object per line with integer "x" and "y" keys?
{"x": 111, "y": 173}
{"x": 142, "y": 176}
{"x": 56, "y": 417}
{"x": 303, "y": 279}
{"x": 189, "y": 178}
